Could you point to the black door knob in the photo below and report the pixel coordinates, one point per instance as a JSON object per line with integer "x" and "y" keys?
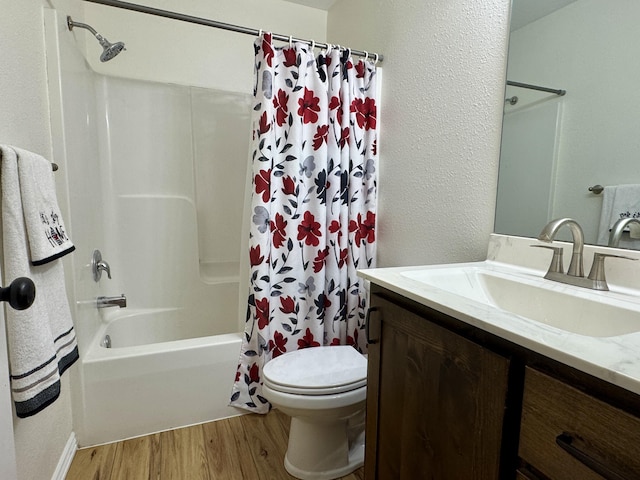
{"x": 20, "y": 293}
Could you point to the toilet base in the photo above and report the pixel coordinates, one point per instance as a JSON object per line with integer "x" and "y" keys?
{"x": 356, "y": 460}
{"x": 324, "y": 451}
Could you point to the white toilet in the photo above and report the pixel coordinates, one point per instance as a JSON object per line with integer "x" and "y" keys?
{"x": 323, "y": 390}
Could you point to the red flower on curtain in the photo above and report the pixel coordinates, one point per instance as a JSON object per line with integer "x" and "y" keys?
{"x": 278, "y": 345}
{"x": 319, "y": 261}
{"x": 264, "y": 125}
{"x": 309, "y": 106}
{"x": 288, "y": 305}
{"x": 280, "y": 102}
{"x": 289, "y": 57}
{"x": 278, "y": 229}
{"x": 361, "y": 69}
{"x": 365, "y": 230}
{"x": 309, "y": 230}
{"x": 344, "y": 255}
{"x": 268, "y": 49}
{"x": 344, "y": 137}
{"x": 327, "y": 61}
{"x": 262, "y": 312}
{"x": 263, "y": 184}
{"x": 321, "y": 136}
{"x": 308, "y": 340}
{"x": 288, "y": 186}
{"x": 255, "y": 258}
{"x": 254, "y": 373}
{"x": 365, "y": 112}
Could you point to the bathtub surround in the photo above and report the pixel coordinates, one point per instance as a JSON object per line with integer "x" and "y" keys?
{"x": 174, "y": 162}
{"x": 314, "y": 187}
{"x": 41, "y": 339}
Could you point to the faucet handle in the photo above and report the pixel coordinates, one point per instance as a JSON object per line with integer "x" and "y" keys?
{"x": 597, "y": 269}
{"x": 98, "y": 266}
{"x": 104, "y": 266}
{"x": 556, "y": 261}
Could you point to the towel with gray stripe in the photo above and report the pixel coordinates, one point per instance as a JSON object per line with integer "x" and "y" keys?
{"x": 41, "y": 339}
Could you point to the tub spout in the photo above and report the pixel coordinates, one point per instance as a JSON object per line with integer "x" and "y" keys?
{"x": 103, "y": 302}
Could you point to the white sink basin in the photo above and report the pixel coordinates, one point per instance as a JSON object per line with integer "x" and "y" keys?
{"x": 573, "y": 309}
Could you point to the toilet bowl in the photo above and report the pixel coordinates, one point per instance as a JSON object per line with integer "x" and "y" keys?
{"x": 323, "y": 390}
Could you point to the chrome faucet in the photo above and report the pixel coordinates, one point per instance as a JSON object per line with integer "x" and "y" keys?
{"x": 618, "y": 228}
{"x": 103, "y": 302}
{"x": 549, "y": 232}
{"x": 575, "y": 274}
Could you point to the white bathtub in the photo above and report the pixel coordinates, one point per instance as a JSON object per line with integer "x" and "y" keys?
{"x": 164, "y": 370}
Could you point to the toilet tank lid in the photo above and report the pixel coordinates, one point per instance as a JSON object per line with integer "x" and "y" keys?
{"x": 317, "y": 367}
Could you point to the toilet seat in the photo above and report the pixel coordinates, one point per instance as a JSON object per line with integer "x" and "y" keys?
{"x": 317, "y": 371}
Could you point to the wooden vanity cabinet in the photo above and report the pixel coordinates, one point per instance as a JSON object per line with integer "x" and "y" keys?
{"x": 435, "y": 401}
{"x": 447, "y": 401}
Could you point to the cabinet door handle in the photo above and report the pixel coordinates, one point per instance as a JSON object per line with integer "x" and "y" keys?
{"x": 367, "y": 320}
{"x": 565, "y": 441}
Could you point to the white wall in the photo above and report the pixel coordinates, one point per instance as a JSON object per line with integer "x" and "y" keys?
{"x": 24, "y": 122}
{"x": 589, "y": 48}
{"x": 442, "y": 98}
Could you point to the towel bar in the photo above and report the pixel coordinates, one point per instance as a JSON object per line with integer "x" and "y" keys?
{"x": 596, "y": 189}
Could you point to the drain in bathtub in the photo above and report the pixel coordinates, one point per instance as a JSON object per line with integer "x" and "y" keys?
{"x": 106, "y": 342}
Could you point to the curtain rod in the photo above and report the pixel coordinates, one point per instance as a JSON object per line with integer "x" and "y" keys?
{"x": 213, "y": 23}
{"x": 536, "y": 87}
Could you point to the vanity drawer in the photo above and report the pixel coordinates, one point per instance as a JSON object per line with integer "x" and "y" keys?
{"x": 566, "y": 433}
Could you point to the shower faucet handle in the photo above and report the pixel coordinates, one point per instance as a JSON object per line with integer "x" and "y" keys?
{"x": 98, "y": 266}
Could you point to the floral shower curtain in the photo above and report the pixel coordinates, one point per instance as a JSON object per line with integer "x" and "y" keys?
{"x": 313, "y": 206}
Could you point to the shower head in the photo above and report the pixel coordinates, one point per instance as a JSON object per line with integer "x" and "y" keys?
{"x": 109, "y": 50}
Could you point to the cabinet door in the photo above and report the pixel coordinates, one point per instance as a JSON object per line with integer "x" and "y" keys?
{"x": 436, "y": 401}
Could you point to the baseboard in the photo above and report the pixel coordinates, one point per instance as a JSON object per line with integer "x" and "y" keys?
{"x": 66, "y": 458}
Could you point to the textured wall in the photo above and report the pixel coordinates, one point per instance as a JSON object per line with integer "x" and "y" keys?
{"x": 443, "y": 86}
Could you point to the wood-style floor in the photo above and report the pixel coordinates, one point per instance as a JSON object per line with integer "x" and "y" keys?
{"x": 249, "y": 447}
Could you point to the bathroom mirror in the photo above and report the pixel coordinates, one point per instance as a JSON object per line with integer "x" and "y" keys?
{"x": 555, "y": 147}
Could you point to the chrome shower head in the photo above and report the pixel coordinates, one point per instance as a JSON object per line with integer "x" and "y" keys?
{"x": 109, "y": 50}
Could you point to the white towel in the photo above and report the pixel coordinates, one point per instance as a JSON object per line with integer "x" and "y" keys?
{"x": 41, "y": 339}
{"x": 48, "y": 239}
{"x": 621, "y": 201}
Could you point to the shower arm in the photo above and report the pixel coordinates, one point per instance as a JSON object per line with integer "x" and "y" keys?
{"x": 71, "y": 24}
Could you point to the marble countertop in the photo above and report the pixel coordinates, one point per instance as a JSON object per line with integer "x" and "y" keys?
{"x": 615, "y": 359}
